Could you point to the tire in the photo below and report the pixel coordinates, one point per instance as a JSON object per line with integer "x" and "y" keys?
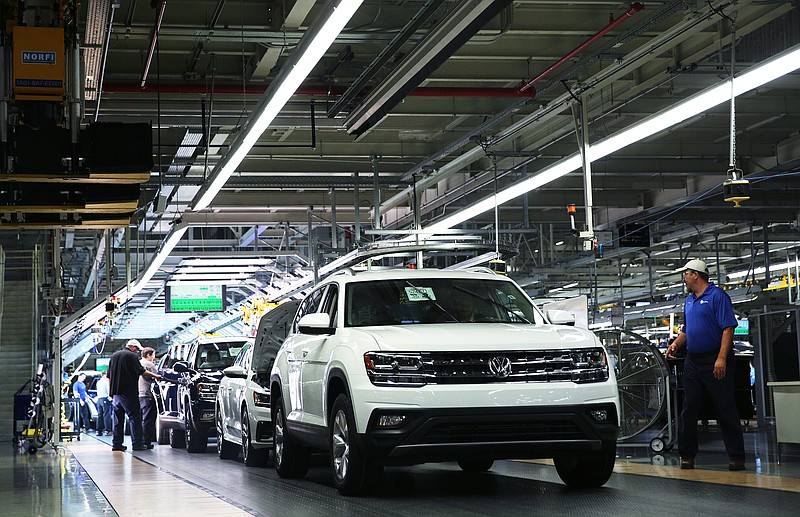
{"x": 252, "y": 457}
{"x": 162, "y": 434}
{"x": 353, "y": 473}
{"x": 177, "y": 439}
{"x": 475, "y": 465}
{"x": 291, "y": 459}
{"x": 196, "y": 441}
{"x": 32, "y": 449}
{"x": 225, "y": 449}
{"x": 588, "y": 469}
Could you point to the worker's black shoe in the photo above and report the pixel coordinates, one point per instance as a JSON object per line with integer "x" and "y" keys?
{"x": 687, "y": 463}
{"x": 736, "y": 464}
{"x": 140, "y": 448}
{"x": 120, "y": 448}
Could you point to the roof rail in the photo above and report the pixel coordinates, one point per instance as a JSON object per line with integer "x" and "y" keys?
{"x": 346, "y": 271}
{"x": 480, "y": 269}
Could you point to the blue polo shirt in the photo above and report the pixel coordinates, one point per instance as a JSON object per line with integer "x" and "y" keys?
{"x": 706, "y": 317}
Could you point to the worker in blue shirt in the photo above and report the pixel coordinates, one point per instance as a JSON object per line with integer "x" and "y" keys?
{"x": 709, "y": 365}
{"x": 79, "y": 392}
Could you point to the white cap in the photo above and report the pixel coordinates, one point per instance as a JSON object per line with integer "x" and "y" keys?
{"x": 134, "y": 343}
{"x": 694, "y": 265}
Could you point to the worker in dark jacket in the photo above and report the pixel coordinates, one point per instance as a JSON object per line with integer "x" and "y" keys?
{"x": 124, "y": 370}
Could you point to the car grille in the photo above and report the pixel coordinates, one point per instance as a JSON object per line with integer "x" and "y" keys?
{"x": 539, "y": 366}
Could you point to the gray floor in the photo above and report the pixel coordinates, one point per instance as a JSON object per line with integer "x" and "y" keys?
{"x": 54, "y": 483}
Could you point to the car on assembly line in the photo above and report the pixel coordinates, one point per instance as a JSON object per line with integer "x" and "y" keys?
{"x": 399, "y": 367}
{"x": 242, "y": 413}
{"x": 189, "y": 417}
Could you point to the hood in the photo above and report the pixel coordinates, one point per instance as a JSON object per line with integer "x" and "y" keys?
{"x": 210, "y": 376}
{"x": 477, "y": 337}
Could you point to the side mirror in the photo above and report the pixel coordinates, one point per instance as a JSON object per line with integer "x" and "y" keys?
{"x": 235, "y": 372}
{"x": 181, "y": 367}
{"x": 558, "y": 317}
{"x": 318, "y": 323}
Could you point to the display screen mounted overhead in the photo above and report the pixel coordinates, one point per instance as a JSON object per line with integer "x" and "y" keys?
{"x": 195, "y": 298}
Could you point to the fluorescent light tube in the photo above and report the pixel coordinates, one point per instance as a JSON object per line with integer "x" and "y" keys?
{"x": 308, "y": 53}
{"x": 759, "y": 75}
{"x": 158, "y": 258}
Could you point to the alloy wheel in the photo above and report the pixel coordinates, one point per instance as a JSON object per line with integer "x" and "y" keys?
{"x": 340, "y": 445}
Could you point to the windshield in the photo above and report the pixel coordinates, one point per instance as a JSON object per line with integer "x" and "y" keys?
{"x": 216, "y": 356}
{"x": 437, "y": 300}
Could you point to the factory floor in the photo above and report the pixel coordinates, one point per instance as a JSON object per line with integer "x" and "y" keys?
{"x": 86, "y": 478}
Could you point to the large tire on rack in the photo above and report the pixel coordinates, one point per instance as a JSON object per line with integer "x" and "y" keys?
{"x": 291, "y": 459}
{"x": 252, "y": 457}
{"x": 162, "y": 433}
{"x": 353, "y": 472}
{"x": 225, "y": 449}
{"x": 196, "y": 440}
{"x": 587, "y": 469}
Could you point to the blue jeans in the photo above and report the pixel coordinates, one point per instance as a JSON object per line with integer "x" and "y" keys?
{"x": 104, "y": 423}
{"x": 127, "y": 405}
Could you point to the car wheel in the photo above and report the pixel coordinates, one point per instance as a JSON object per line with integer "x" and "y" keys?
{"x": 225, "y": 449}
{"x": 252, "y": 457}
{"x": 291, "y": 459}
{"x": 162, "y": 434}
{"x": 196, "y": 441}
{"x": 588, "y": 469}
{"x": 177, "y": 439}
{"x": 475, "y": 465}
{"x": 353, "y": 473}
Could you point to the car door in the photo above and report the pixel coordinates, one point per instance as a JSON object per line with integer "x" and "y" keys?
{"x": 236, "y": 391}
{"x": 315, "y": 353}
{"x": 297, "y": 348}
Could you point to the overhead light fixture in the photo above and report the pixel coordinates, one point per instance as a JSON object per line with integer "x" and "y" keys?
{"x": 230, "y": 270}
{"x": 757, "y": 76}
{"x": 209, "y": 276}
{"x": 254, "y": 261}
{"x": 221, "y": 281}
{"x": 159, "y": 257}
{"x": 761, "y": 270}
{"x": 312, "y": 46}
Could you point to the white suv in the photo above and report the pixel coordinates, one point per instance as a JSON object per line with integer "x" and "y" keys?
{"x": 410, "y": 366}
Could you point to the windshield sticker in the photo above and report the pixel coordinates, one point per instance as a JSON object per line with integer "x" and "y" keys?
{"x": 420, "y": 294}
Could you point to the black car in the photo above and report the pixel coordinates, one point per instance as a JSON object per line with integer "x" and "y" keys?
{"x": 186, "y": 399}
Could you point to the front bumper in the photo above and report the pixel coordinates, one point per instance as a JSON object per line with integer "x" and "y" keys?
{"x": 449, "y": 434}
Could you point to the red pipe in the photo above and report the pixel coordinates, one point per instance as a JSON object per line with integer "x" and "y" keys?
{"x": 318, "y": 91}
{"x": 633, "y": 9}
{"x": 153, "y": 40}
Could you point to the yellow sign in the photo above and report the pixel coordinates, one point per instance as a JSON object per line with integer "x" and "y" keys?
{"x": 38, "y": 63}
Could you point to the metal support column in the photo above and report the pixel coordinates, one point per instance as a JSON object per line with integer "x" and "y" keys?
{"x": 312, "y": 247}
{"x": 766, "y": 256}
{"x": 334, "y": 229}
{"x": 357, "y": 210}
{"x": 376, "y": 187}
{"x": 128, "y": 258}
{"x": 716, "y": 250}
{"x": 109, "y": 238}
{"x": 417, "y": 217}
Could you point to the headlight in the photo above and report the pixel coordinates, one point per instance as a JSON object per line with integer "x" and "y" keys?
{"x": 589, "y": 365}
{"x": 386, "y": 369}
{"x": 261, "y": 399}
{"x": 207, "y": 391}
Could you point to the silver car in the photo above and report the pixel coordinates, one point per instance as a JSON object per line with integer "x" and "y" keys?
{"x": 242, "y": 412}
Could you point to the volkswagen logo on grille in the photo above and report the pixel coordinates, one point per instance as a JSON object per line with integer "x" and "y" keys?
{"x": 500, "y": 366}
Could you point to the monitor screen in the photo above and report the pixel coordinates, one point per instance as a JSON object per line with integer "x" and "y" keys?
{"x": 743, "y": 328}
{"x": 195, "y": 298}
